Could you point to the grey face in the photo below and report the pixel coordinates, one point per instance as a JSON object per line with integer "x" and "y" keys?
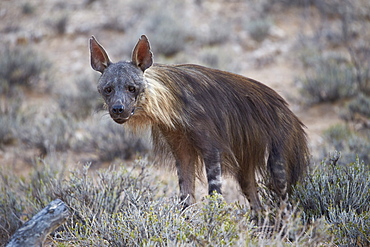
{"x": 120, "y": 85}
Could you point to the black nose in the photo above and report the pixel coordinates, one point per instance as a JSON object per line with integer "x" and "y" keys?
{"x": 118, "y": 109}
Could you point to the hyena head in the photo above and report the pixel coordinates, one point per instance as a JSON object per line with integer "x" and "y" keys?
{"x": 121, "y": 84}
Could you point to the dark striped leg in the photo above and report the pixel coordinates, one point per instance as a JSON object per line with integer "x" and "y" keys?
{"x": 213, "y": 169}
{"x": 276, "y": 165}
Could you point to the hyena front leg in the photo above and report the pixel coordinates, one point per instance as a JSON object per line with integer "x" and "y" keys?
{"x": 186, "y": 159}
{"x": 186, "y": 175}
{"x": 212, "y": 161}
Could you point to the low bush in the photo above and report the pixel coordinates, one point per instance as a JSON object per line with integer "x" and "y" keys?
{"x": 7, "y": 131}
{"x": 217, "y": 32}
{"x": 340, "y": 193}
{"x": 359, "y": 106}
{"x": 109, "y": 140}
{"x": 60, "y": 24}
{"x": 28, "y": 9}
{"x": 83, "y": 103}
{"x": 49, "y": 132}
{"x": 350, "y": 143}
{"x": 219, "y": 57}
{"x": 22, "y": 66}
{"x": 12, "y": 207}
{"x": 173, "y": 33}
{"x": 259, "y": 29}
{"x": 120, "y": 207}
{"x": 9, "y": 119}
{"x": 328, "y": 80}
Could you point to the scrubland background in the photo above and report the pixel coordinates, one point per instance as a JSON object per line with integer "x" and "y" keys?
{"x": 57, "y": 141}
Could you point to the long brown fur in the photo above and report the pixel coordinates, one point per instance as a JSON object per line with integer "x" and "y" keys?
{"x": 203, "y": 116}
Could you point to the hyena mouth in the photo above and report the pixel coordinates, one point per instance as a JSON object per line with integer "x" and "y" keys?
{"x": 121, "y": 120}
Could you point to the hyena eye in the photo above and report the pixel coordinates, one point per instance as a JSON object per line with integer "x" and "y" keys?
{"x": 108, "y": 90}
{"x": 131, "y": 89}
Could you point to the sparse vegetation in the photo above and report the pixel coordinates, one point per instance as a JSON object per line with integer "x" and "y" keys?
{"x": 82, "y": 103}
{"x": 119, "y": 207}
{"x": 350, "y": 143}
{"x": 339, "y": 67}
{"x": 329, "y": 80}
{"x": 341, "y": 193}
{"x": 217, "y": 33}
{"x": 28, "y": 9}
{"x": 22, "y": 66}
{"x": 9, "y": 119}
{"x": 258, "y": 29}
{"x": 60, "y": 24}
{"x": 358, "y": 107}
{"x": 173, "y": 32}
{"x": 336, "y": 62}
{"x": 48, "y": 133}
{"x": 219, "y": 58}
{"x": 110, "y": 141}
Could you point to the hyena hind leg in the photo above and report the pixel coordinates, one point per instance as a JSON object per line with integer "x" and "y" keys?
{"x": 248, "y": 185}
{"x": 212, "y": 161}
{"x": 278, "y": 174}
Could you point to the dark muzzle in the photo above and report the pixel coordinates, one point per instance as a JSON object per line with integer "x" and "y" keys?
{"x": 120, "y": 114}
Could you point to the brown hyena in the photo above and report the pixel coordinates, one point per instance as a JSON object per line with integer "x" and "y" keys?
{"x": 206, "y": 117}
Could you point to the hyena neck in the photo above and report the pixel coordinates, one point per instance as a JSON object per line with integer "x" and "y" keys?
{"x": 157, "y": 105}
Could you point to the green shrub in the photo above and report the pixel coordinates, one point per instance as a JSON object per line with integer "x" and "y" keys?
{"x": 120, "y": 207}
{"x": 21, "y": 198}
{"x": 7, "y": 130}
{"x": 22, "y": 66}
{"x": 329, "y": 80}
{"x": 88, "y": 197}
{"x": 109, "y": 140}
{"x": 28, "y": 9}
{"x": 351, "y": 144}
{"x": 167, "y": 33}
{"x": 217, "y": 223}
{"x": 162, "y": 223}
{"x": 9, "y": 119}
{"x": 48, "y": 132}
{"x": 219, "y": 57}
{"x": 258, "y": 29}
{"x": 60, "y": 24}
{"x": 11, "y": 207}
{"x": 83, "y": 103}
{"x": 341, "y": 193}
{"x": 217, "y": 32}
{"x": 358, "y": 105}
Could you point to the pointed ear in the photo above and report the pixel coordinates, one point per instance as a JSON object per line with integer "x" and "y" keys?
{"x": 99, "y": 58}
{"x": 141, "y": 55}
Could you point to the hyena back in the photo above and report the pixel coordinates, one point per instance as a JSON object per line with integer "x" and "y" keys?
{"x": 205, "y": 117}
